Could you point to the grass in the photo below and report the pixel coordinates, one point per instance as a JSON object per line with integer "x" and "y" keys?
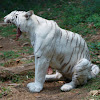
{"x": 4, "y": 91}
{"x": 7, "y": 31}
{"x": 8, "y": 55}
{"x": 22, "y": 78}
{"x": 93, "y": 84}
{"x": 94, "y": 48}
{"x": 81, "y": 16}
{"x": 19, "y": 78}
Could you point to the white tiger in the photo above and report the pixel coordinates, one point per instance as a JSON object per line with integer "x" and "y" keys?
{"x": 53, "y": 46}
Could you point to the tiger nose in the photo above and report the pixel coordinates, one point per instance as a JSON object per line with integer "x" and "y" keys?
{"x": 8, "y": 21}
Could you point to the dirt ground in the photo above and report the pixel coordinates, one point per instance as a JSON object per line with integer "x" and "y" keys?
{"x": 51, "y": 90}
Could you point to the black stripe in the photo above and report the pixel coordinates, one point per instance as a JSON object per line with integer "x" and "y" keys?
{"x": 83, "y": 49}
{"x": 76, "y": 42}
{"x": 61, "y": 35}
{"x": 53, "y": 54}
{"x": 79, "y": 62}
{"x": 68, "y": 69}
{"x": 67, "y": 37}
{"x": 71, "y": 67}
{"x": 37, "y": 20}
{"x": 68, "y": 61}
{"x": 54, "y": 44}
{"x": 61, "y": 59}
{"x": 79, "y": 49}
{"x": 87, "y": 54}
{"x": 72, "y": 38}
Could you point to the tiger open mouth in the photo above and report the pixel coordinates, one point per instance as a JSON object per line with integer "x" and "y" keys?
{"x": 18, "y": 29}
{"x": 18, "y": 33}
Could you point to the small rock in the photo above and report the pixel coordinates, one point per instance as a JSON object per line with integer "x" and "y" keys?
{"x": 38, "y": 96}
{"x": 48, "y": 9}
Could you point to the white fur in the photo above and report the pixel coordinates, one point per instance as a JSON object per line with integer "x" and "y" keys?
{"x": 64, "y": 50}
{"x": 68, "y": 86}
{"x": 54, "y": 77}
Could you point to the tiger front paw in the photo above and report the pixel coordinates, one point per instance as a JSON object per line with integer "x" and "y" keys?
{"x": 33, "y": 87}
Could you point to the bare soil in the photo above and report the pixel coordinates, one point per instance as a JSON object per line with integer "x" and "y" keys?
{"x": 51, "y": 91}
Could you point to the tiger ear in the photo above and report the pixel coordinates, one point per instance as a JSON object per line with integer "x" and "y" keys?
{"x": 29, "y": 14}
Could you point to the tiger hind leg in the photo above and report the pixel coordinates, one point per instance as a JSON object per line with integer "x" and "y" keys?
{"x": 81, "y": 72}
{"x": 54, "y": 77}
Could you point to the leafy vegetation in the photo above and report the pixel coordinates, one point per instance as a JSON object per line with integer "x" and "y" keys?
{"x": 22, "y": 78}
{"x": 4, "y": 91}
{"x": 7, "y": 31}
{"x": 8, "y": 55}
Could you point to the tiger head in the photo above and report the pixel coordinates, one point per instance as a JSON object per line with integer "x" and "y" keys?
{"x": 21, "y": 19}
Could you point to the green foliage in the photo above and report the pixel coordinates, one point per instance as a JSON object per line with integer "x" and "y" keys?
{"x": 83, "y": 29}
{"x": 92, "y": 84}
{"x": 73, "y": 15}
{"x": 19, "y": 78}
{"x": 4, "y": 91}
{"x": 91, "y": 6}
{"x": 28, "y": 50}
{"x": 9, "y": 55}
{"x": 95, "y": 19}
{"x": 70, "y": 13}
{"x": 94, "y": 46}
{"x": 7, "y": 31}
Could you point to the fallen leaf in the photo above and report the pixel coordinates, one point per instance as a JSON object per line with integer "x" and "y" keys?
{"x": 99, "y": 56}
{"x": 94, "y": 92}
{"x": 17, "y": 61}
{"x": 98, "y": 62}
{"x": 61, "y": 82}
{"x": 25, "y": 44}
{"x": 1, "y": 46}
